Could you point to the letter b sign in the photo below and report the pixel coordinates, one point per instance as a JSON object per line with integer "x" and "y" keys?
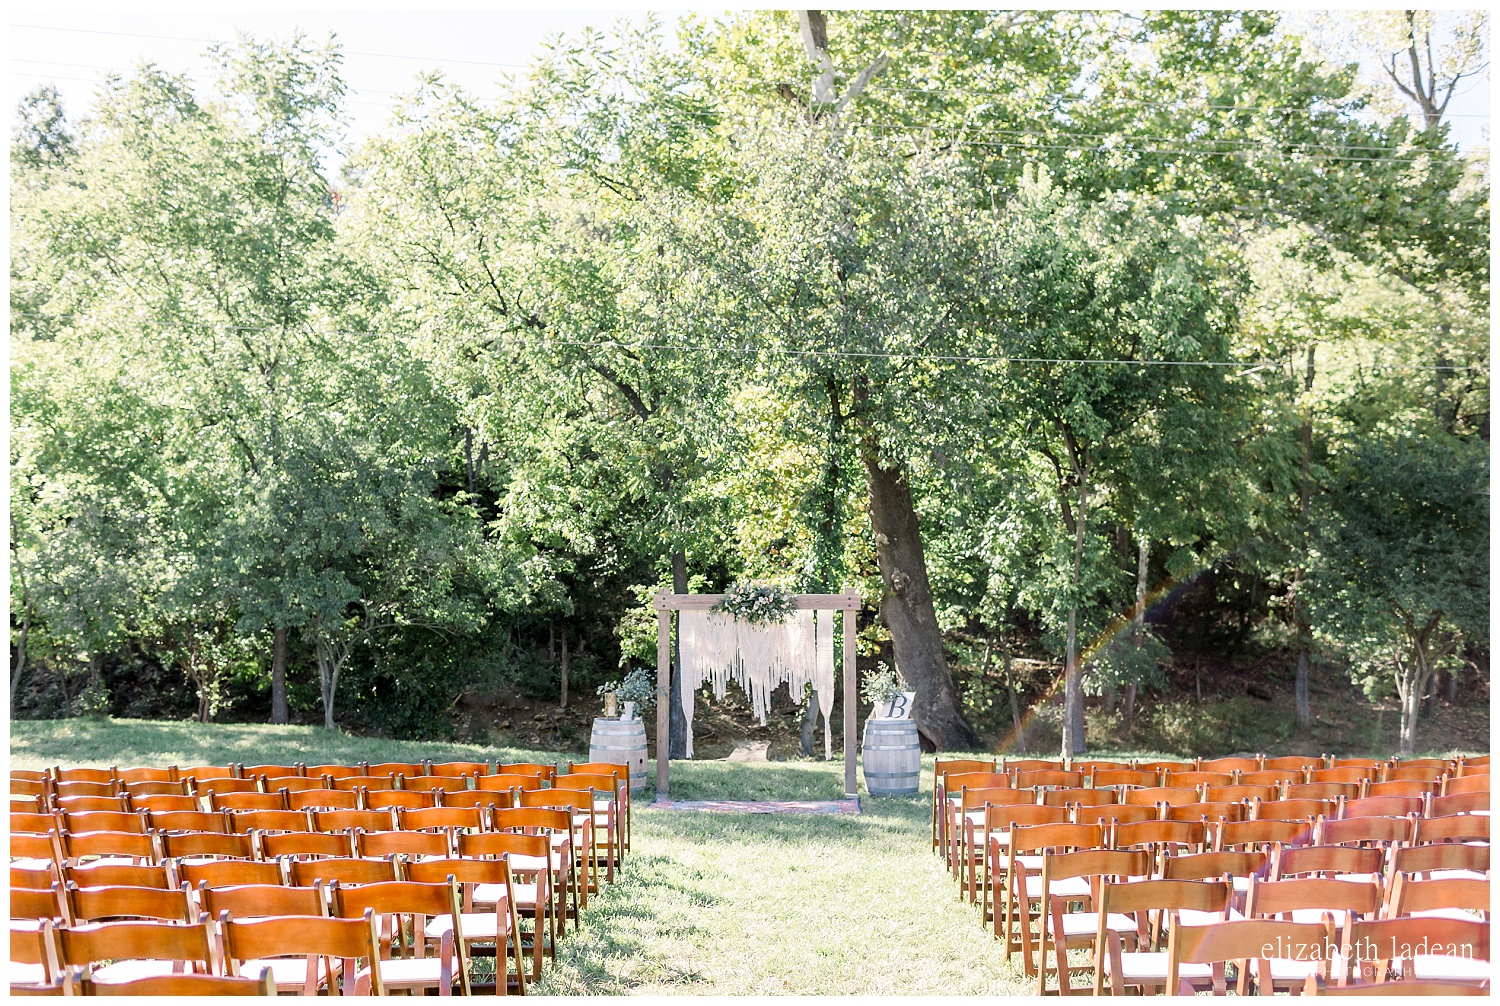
{"x": 897, "y": 707}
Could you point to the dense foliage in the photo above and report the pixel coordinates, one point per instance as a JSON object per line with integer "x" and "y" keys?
{"x": 1005, "y": 320}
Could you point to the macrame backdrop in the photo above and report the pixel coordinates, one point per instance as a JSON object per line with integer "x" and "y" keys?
{"x": 720, "y": 648}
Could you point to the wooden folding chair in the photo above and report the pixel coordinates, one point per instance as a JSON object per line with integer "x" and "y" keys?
{"x": 1436, "y": 862}
{"x": 557, "y": 826}
{"x": 1233, "y": 764}
{"x": 1298, "y": 763}
{"x": 1417, "y": 768}
{"x": 1166, "y": 766}
{"x": 111, "y": 789}
{"x": 34, "y": 960}
{"x": 245, "y": 821}
{"x": 446, "y": 783}
{"x": 527, "y": 855}
{"x": 1419, "y": 788}
{"x": 34, "y": 878}
{"x": 1292, "y": 810}
{"x": 1124, "y": 778}
{"x": 1024, "y": 881}
{"x": 447, "y": 820}
{"x": 1116, "y": 812}
{"x": 185, "y": 985}
{"x": 608, "y": 815}
{"x": 246, "y": 801}
{"x": 230, "y": 873}
{"x": 958, "y": 774}
{"x": 1459, "y": 803}
{"x": 1204, "y": 812}
{"x": 481, "y": 881}
{"x": 306, "y": 845}
{"x": 998, "y": 822}
{"x": 1461, "y": 898}
{"x": 204, "y": 773}
{"x": 1239, "y": 793}
{"x": 165, "y": 801}
{"x": 1250, "y": 942}
{"x": 391, "y": 799}
{"x": 1323, "y": 791}
{"x": 80, "y": 822}
{"x": 370, "y": 782}
{"x": 137, "y": 949}
{"x": 1277, "y": 777}
{"x": 458, "y": 768}
{"x": 1314, "y": 900}
{"x": 306, "y": 872}
{"x": 334, "y": 771}
{"x": 1347, "y": 862}
{"x": 146, "y": 774}
{"x": 37, "y": 904}
{"x": 1260, "y": 836}
{"x": 1088, "y": 766}
{"x": 187, "y": 821}
{"x": 1419, "y": 949}
{"x": 1238, "y": 867}
{"x": 1064, "y": 930}
{"x": 206, "y": 844}
{"x": 585, "y": 838}
{"x": 1360, "y": 775}
{"x": 408, "y": 845}
{"x": 1047, "y": 778}
{"x": 403, "y": 963}
{"x": 264, "y": 901}
{"x": 1014, "y": 765}
{"x": 1196, "y": 780}
{"x": 1152, "y": 796}
{"x": 1153, "y": 904}
{"x": 621, "y": 775}
{"x": 84, "y": 774}
{"x": 322, "y": 799}
{"x": 1079, "y": 797}
{"x": 36, "y": 851}
{"x": 1159, "y": 839}
{"x": 1382, "y": 806}
{"x": 226, "y": 787}
{"x": 506, "y": 781}
{"x": 257, "y": 943}
{"x": 477, "y": 798}
{"x": 1452, "y": 828}
{"x": 546, "y": 772}
{"x": 1318, "y": 987}
{"x": 103, "y": 804}
{"x": 107, "y": 874}
{"x": 401, "y": 768}
{"x": 1367, "y": 832}
{"x": 1466, "y": 784}
{"x": 106, "y": 846}
{"x": 101, "y": 904}
{"x": 1334, "y": 761}
{"x": 277, "y": 771}
{"x": 966, "y": 818}
{"x": 344, "y": 820}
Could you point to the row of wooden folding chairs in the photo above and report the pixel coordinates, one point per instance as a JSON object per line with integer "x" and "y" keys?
{"x": 1378, "y": 846}
{"x": 265, "y": 787}
{"x": 308, "y": 937}
{"x": 1154, "y": 850}
{"x": 596, "y": 796}
{"x": 163, "y": 834}
{"x": 1441, "y": 776}
{"x": 1178, "y": 803}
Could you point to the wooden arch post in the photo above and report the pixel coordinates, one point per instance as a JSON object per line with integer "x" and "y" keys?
{"x": 848, "y": 602}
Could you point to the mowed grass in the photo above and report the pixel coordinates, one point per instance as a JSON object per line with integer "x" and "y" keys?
{"x": 708, "y": 903}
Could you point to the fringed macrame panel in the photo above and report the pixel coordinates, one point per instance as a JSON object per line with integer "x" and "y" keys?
{"x": 758, "y": 658}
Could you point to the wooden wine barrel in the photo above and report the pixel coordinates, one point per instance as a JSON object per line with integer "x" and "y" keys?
{"x": 623, "y": 743}
{"x": 893, "y": 757}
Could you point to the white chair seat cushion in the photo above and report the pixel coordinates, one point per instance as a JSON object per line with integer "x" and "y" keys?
{"x": 1433, "y": 966}
{"x": 476, "y": 926}
{"x": 1193, "y": 917}
{"x": 1461, "y": 914}
{"x": 1152, "y": 967}
{"x": 287, "y": 972}
{"x": 1087, "y": 923}
{"x": 1457, "y": 875}
{"x": 1284, "y": 970}
{"x": 490, "y": 894}
{"x": 1073, "y": 887}
{"x": 405, "y": 972}
{"x": 125, "y": 971}
{"x": 27, "y": 974}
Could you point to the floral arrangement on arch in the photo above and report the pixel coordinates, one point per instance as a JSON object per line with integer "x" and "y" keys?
{"x": 757, "y": 603}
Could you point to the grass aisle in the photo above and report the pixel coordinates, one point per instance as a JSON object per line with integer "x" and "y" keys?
{"x": 727, "y": 904}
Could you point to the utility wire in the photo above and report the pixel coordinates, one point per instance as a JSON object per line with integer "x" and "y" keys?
{"x": 546, "y": 342}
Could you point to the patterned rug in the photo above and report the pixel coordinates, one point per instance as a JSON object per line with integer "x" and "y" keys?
{"x": 761, "y": 806}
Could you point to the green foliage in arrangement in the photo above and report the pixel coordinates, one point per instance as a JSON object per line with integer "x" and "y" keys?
{"x": 756, "y": 603}
{"x": 1009, "y": 320}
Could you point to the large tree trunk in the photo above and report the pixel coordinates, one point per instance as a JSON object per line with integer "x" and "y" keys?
{"x": 20, "y": 662}
{"x": 279, "y": 712}
{"x": 1072, "y": 739}
{"x": 1304, "y": 630}
{"x": 562, "y": 702}
{"x": 677, "y": 742}
{"x": 907, "y": 606}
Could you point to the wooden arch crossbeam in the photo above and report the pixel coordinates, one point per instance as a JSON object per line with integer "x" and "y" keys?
{"x": 848, "y": 602}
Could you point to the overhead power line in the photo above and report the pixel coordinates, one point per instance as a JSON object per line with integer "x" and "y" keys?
{"x": 545, "y": 342}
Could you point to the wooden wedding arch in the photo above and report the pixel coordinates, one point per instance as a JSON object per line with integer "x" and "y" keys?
{"x": 848, "y": 602}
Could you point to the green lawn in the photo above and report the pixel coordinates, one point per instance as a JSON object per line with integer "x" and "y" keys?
{"x": 708, "y": 904}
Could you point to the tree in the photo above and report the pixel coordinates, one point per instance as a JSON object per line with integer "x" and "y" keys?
{"x": 1401, "y": 574}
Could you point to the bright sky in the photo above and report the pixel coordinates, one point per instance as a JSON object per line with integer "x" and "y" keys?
{"x": 384, "y": 50}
